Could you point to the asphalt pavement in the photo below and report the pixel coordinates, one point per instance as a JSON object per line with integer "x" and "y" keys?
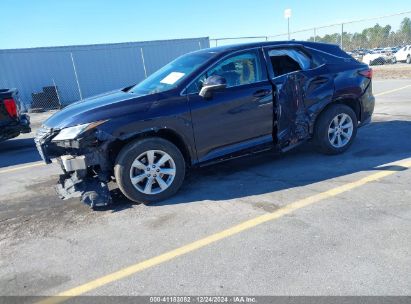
{"x": 314, "y": 224}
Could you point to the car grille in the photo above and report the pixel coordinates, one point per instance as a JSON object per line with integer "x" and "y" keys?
{"x": 42, "y": 136}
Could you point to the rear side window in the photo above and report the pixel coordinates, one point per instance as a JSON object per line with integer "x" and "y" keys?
{"x": 288, "y": 60}
{"x": 320, "y": 57}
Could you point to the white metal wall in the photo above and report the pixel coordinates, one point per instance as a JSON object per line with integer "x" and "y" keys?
{"x": 84, "y": 71}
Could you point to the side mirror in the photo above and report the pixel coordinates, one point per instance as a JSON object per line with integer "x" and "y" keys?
{"x": 212, "y": 84}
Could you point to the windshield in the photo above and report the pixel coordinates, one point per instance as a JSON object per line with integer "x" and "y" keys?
{"x": 169, "y": 76}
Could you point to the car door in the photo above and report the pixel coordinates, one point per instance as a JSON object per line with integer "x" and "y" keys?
{"x": 238, "y": 117}
{"x": 302, "y": 86}
{"x": 402, "y": 54}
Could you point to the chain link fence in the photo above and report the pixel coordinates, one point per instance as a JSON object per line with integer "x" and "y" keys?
{"x": 375, "y": 41}
{"x": 54, "y": 77}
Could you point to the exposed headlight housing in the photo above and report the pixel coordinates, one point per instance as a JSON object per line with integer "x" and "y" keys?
{"x": 72, "y": 133}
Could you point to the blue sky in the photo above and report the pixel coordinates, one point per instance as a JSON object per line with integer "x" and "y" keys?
{"x": 34, "y": 23}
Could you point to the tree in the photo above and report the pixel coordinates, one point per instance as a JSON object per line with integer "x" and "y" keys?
{"x": 373, "y": 37}
{"x": 405, "y": 29}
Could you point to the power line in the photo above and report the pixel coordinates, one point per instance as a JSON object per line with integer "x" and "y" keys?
{"x": 314, "y": 28}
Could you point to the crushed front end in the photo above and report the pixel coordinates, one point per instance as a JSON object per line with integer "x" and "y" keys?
{"x": 82, "y": 152}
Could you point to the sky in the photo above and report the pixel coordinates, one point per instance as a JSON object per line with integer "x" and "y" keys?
{"x": 37, "y": 23}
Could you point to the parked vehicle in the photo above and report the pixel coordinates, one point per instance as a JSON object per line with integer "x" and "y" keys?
{"x": 12, "y": 123}
{"x": 378, "y": 58}
{"x": 356, "y": 55}
{"x": 204, "y": 107}
{"x": 404, "y": 54}
{"x": 360, "y": 51}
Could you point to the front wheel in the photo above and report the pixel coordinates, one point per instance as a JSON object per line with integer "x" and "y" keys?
{"x": 335, "y": 129}
{"x": 149, "y": 170}
{"x": 408, "y": 59}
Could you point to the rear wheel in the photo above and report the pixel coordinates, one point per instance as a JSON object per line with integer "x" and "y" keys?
{"x": 149, "y": 170}
{"x": 409, "y": 59}
{"x": 335, "y": 129}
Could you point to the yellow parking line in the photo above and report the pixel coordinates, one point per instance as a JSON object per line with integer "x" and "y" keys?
{"x": 140, "y": 266}
{"x": 392, "y": 91}
{"x": 21, "y": 168}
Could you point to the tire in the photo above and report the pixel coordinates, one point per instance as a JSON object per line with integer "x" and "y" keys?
{"x": 325, "y": 123}
{"x": 408, "y": 59}
{"x": 133, "y": 161}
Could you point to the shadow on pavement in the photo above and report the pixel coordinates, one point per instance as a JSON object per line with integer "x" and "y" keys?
{"x": 17, "y": 152}
{"x": 376, "y": 145}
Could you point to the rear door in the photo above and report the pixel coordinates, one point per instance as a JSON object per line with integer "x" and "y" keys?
{"x": 239, "y": 117}
{"x": 303, "y": 87}
{"x": 401, "y": 55}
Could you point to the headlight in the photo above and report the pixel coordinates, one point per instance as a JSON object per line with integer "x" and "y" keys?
{"x": 73, "y": 132}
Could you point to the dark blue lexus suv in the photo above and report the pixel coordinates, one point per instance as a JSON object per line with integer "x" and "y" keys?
{"x": 207, "y": 106}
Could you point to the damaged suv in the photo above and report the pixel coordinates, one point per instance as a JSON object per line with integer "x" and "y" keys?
{"x": 207, "y": 106}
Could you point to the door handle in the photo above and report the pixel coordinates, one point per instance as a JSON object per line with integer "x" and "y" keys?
{"x": 261, "y": 93}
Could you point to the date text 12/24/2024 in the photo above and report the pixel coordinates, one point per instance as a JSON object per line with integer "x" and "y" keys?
{"x": 203, "y": 299}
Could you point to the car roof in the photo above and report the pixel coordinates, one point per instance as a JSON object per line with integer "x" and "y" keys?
{"x": 326, "y": 47}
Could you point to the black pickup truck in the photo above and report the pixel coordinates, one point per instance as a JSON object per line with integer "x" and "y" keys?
{"x": 12, "y": 123}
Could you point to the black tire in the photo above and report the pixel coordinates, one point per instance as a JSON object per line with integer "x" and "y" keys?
{"x": 133, "y": 150}
{"x": 408, "y": 59}
{"x": 321, "y": 136}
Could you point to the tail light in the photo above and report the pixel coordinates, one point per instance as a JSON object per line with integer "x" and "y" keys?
{"x": 366, "y": 73}
{"x": 11, "y": 107}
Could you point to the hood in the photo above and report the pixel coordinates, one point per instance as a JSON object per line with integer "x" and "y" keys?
{"x": 101, "y": 107}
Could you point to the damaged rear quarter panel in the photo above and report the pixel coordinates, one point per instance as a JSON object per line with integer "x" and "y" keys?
{"x": 348, "y": 86}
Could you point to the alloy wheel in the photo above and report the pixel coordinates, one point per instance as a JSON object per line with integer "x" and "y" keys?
{"x": 340, "y": 130}
{"x": 152, "y": 172}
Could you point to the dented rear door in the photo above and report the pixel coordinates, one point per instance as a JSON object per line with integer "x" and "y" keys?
{"x": 300, "y": 96}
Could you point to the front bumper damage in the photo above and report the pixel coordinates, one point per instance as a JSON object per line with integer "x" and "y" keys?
{"x": 85, "y": 163}
{"x": 78, "y": 181}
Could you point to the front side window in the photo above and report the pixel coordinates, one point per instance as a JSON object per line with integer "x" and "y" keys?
{"x": 237, "y": 70}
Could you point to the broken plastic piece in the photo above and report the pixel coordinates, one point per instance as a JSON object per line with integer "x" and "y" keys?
{"x": 99, "y": 197}
{"x": 92, "y": 191}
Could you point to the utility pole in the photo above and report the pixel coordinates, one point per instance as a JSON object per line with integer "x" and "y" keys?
{"x": 287, "y": 15}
